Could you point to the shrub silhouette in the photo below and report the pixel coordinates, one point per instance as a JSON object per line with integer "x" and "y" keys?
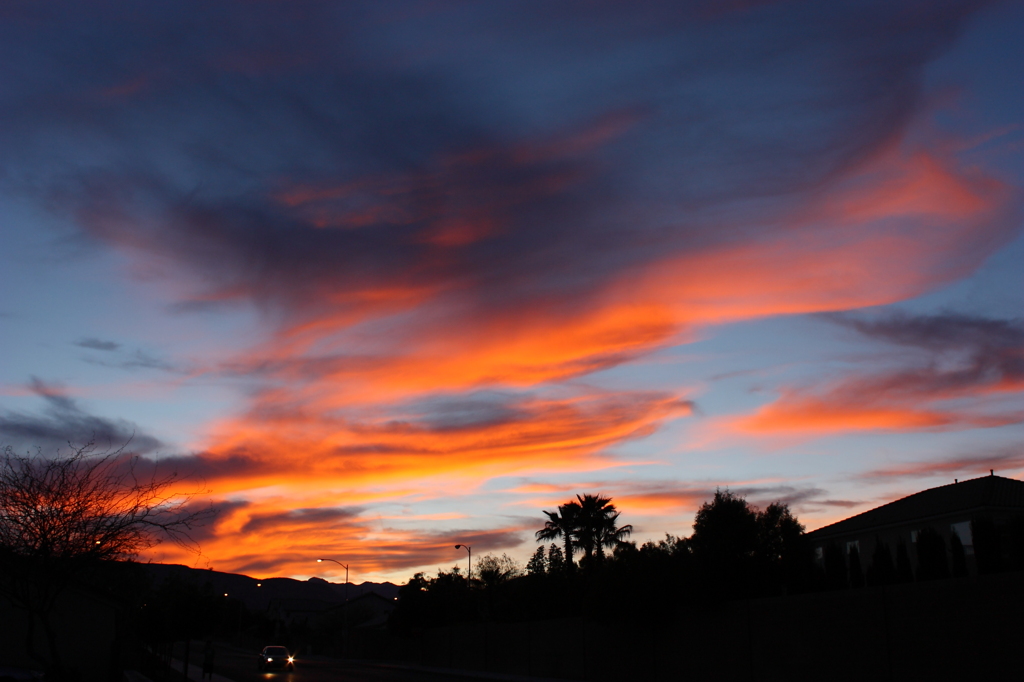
{"x": 494, "y": 570}
{"x": 856, "y": 572}
{"x": 835, "y": 568}
{"x": 904, "y": 571}
{"x": 931, "y": 555}
{"x": 988, "y": 550}
{"x": 957, "y": 556}
{"x": 882, "y": 570}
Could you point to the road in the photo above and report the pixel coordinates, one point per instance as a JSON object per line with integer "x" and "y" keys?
{"x": 241, "y": 666}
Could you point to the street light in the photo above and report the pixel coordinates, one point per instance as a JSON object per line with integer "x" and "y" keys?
{"x": 345, "y": 566}
{"x": 345, "y": 624}
{"x": 469, "y": 571}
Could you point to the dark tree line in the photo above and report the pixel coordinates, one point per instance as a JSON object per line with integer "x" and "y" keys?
{"x": 736, "y": 550}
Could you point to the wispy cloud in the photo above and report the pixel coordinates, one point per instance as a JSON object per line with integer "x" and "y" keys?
{"x": 98, "y": 344}
{"x": 524, "y": 435}
{"x": 969, "y": 465}
{"x": 63, "y": 421}
{"x": 134, "y": 361}
{"x": 958, "y": 358}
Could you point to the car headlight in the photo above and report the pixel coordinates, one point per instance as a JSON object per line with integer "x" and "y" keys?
{"x": 291, "y": 659}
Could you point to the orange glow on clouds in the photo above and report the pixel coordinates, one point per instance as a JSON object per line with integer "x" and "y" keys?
{"x": 545, "y": 435}
{"x": 327, "y": 426}
{"x": 877, "y": 238}
{"x": 840, "y": 253}
{"x": 424, "y": 283}
{"x": 272, "y": 538}
{"x": 817, "y": 416}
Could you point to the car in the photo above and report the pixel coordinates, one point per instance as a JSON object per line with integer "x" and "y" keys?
{"x": 276, "y": 658}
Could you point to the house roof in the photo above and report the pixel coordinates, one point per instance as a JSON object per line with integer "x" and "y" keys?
{"x": 973, "y": 494}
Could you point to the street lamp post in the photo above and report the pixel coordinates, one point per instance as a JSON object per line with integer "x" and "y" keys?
{"x": 345, "y": 622}
{"x": 345, "y": 566}
{"x": 469, "y": 570}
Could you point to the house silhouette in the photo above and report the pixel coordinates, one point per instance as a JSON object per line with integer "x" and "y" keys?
{"x": 983, "y": 516}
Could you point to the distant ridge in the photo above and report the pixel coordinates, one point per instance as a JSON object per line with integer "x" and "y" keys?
{"x": 258, "y": 598}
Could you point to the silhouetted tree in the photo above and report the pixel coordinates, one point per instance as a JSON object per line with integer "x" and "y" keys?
{"x": 882, "y": 571}
{"x": 597, "y": 526}
{"x": 724, "y": 541}
{"x": 988, "y": 545}
{"x": 777, "y": 529}
{"x": 63, "y": 516}
{"x": 904, "y": 571}
{"x": 785, "y": 560}
{"x": 856, "y": 570}
{"x": 835, "y": 567}
{"x": 562, "y": 524}
{"x": 625, "y": 550}
{"x": 494, "y": 570}
{"x": 725, "y": 529}
{"x": 556, "y": 560}
{"x": 958, "y": 556}
{"x": 425, "y": 602}
{"x": 610, "y": 535}
{"x": 538, "y": 563}
{"x": 674, "y": 546}
{"x": 740, "y": 549}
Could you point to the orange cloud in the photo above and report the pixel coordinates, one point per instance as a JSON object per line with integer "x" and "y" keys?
{"x": 901, "y": 225}
{"x": 535, "y": 434}
{"x": 441, "y": 249}
{"x": 331, "y": 415}
{"x": 663, "y": 502}
{"x": 854, "y": 412}
{"x": 274, "y": 537}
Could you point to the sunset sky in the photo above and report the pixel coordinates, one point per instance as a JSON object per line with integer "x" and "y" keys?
{"x": 384, "y": 277}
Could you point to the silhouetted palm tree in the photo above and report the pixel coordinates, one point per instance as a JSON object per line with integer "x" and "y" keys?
{"x": 611, "y": 534}
{"x": 562, "y": 524}
{"x": 597, "y": 526}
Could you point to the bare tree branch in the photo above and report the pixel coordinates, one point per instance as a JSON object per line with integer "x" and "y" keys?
{"x": 62, "y": 516}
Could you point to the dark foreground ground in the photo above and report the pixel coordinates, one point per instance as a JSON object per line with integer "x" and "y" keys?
{"x": 240, "y": 665}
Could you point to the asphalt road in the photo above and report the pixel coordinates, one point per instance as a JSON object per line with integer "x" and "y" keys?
{"x": 241, "y": 666}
